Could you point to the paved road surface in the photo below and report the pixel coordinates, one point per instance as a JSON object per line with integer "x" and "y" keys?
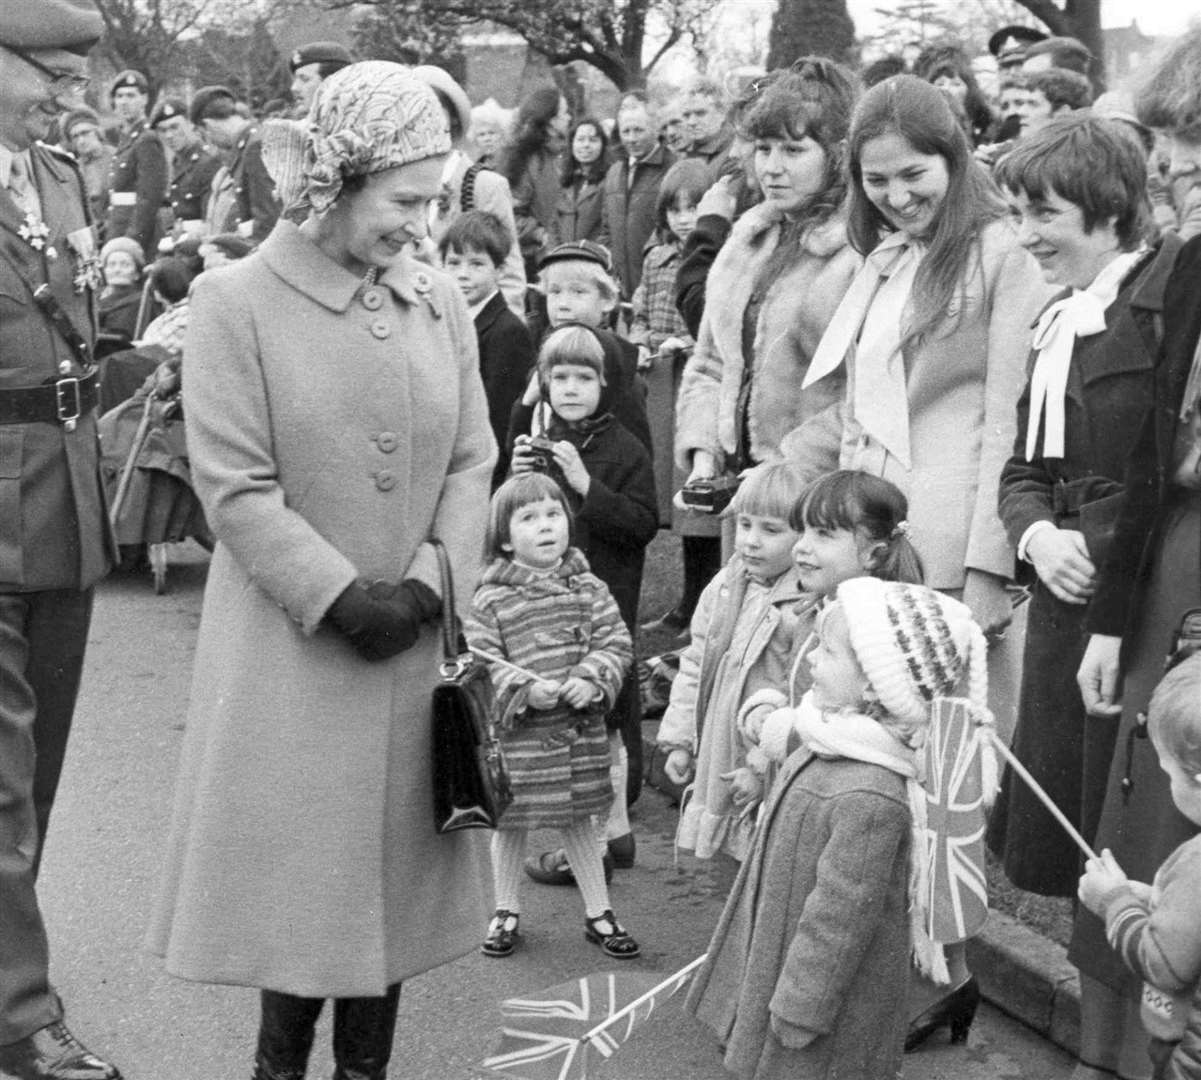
{"x": 99, "y": 878}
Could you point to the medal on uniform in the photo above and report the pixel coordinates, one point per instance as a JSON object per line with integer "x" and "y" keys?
{"x": 82, "y": 243}
{"x": 34, "y": 232}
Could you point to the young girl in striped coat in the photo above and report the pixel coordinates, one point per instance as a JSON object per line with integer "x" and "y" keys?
{"x": 540, "y": 608}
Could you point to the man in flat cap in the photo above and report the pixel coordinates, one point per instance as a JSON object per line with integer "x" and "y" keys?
{"x": 55, "y": 542}
{"x": 81, "y": 130}
{"x": 245, "y": 202}
{"x": 192, "y": 165}
{"x": 310, "y": 65}
{"x": 137, "y": 182}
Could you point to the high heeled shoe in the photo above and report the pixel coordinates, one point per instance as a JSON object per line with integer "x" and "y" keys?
{"x": 957, "y": 1011}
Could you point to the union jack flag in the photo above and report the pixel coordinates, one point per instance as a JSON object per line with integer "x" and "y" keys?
{"x": 563, "y": 1032}
{"x": 957, "y": 904}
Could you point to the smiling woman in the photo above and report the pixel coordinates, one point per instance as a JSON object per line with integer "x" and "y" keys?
{"x": 336, "y": 423}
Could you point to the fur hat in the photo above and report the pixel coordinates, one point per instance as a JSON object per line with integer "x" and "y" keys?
{"x": 914, "y": 645}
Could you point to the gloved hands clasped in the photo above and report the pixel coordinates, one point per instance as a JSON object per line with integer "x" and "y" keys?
{"x": 381, "y": 619}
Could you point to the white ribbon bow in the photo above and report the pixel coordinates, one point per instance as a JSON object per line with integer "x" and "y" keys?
{"x": 1080, "y": 315}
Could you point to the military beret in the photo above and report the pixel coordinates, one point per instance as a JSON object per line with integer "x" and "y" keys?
{"x": 128, "y": 79}
{"x": 320, "y": 52}
{"x": 76, "y": 117}
{"x": 73, "y": 25}
{"x": 204, "y": 97}
{"x": 441, "y": 83}
{"x": 1009, "y": 43}
{"x": 167, "y": 109}
{"x": 587, "y": 250}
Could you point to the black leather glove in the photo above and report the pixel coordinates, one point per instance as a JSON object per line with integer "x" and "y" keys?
{"x": 382, "y": 620}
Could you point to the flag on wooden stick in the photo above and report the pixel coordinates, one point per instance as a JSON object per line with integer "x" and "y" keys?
{"x": 567, "y": 1030}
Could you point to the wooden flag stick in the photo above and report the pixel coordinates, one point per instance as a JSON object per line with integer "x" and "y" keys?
{"x": 491, "y": 658}
{"x": 680, "y": 976}
{"x": 1044, "y": 798}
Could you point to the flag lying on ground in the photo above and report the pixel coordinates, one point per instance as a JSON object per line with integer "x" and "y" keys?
{"x": 564, "y": 1032}
{"x": 958, "y": 899}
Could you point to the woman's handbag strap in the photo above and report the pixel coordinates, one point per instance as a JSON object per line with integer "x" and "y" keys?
{"x": 450, "y": 623}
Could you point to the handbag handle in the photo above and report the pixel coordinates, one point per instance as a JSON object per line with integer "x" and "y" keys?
{"x": 453, "y": 645}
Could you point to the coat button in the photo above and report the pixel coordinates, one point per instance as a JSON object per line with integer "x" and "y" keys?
{"x": 387, "y": 441}
{"x": 380, "y": 329}
{"x": 372, "y": 300}
{"x": 385, "y": 480}
{"x": 64, "y": 367}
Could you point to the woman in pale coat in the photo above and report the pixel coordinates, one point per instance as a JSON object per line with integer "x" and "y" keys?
{"x": 336, "y": 422}
{"x": 931, "y": 342}
{"x": 775, "y": 284}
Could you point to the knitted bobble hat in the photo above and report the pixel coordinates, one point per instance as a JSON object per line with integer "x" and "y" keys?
{"x": 914, "y": 645}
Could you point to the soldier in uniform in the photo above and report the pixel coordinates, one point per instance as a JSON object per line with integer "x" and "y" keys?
{"x": 310, "y": 65}
{"x": 137, "y": 182}
{"x": 248, "y": 205}
{"x": 192, "y": 166}
{"x": 55, "y": 541}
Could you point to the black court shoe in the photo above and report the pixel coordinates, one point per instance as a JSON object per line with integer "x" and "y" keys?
{"x": 957, "y": 1011}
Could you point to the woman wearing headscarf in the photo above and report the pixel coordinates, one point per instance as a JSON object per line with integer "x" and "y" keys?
{"x": 337, "y": 423}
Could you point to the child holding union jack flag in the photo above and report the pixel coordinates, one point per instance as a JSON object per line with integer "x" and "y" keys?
{"x": 808, "y": 968}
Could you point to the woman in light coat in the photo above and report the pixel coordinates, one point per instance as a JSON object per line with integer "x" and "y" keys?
{"x": 336, "y": 422}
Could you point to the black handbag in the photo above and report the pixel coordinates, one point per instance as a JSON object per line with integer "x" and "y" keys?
{"x": 471, "y": 784}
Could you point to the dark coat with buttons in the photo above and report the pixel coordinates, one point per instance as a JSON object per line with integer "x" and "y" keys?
{"x": 254, "y": 208}
{"x": 192, "y": 174}
{"x": 332, "y": 430}
{"x": 137, "y": 188}
{"x": 54, "y": 530}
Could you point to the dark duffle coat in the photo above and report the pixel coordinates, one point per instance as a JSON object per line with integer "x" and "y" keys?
{"x": 816, "y": 929}
{"x": 333, "y": 430}
{"x": 1110, "y": 389}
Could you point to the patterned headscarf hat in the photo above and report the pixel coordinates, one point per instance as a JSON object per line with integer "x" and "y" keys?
{"x": 367, "y": 117}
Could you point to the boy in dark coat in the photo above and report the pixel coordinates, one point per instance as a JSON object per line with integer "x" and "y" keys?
{"x": 473, "y": 251}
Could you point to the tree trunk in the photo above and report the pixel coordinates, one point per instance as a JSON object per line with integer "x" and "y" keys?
{"x": 811, "y": 28}
{"x": 1080, "y": 19}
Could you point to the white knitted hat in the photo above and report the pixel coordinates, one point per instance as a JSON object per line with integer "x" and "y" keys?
{"x": 914, "y": 645}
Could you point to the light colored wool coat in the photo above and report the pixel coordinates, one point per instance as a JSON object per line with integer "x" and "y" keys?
{"x": 815, "y": 932}
{"x": 744, "y": 639}
{"x": 331, "y": 431}
{"x": 796, "y": 308}
{"x": 556, "y": 625}
{"x": 962, "y": 385}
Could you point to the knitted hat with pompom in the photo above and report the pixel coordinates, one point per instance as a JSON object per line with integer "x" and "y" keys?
{"x": 914, "y": 645}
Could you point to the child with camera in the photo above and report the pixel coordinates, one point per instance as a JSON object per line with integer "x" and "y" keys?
{"x": 607, "y": 476}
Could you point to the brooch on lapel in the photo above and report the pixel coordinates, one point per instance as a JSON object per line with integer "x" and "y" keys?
{"x": 82, "y": 243}
{"x": 34, "y": 232}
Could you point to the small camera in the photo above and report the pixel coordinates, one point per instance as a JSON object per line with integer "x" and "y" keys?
{"x": 710, "y": 496}
{"x": 542, "y": 452}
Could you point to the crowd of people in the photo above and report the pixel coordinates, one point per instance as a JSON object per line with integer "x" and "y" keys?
{"x": 890, "y": 351}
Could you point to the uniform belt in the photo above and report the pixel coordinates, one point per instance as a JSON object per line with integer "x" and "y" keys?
{"x": 63, "y": 401}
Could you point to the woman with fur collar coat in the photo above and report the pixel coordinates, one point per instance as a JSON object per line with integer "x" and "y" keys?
{"x": 775, "y": 284}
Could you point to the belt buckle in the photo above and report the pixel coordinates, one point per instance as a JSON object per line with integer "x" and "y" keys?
{"x": 67, "y": 407}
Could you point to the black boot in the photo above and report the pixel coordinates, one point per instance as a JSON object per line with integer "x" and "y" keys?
{"x": 363, "y": 1030}
{"x": 285, "y": 1035}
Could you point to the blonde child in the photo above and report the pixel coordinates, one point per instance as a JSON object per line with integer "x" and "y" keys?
{"x": 539, "y": 607}
{"x": 745, "y": 631}
{"x": 1156, "y": 929}
{"x": 807, "y": 972}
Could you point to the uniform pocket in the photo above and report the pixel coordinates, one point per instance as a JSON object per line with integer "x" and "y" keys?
{"x": 12, "y": 448}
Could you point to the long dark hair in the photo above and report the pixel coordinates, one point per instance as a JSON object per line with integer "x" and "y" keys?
{"x": 531, "y": 132}
{"x": 921, "y": 115}
{"x": 572, "y": 169}
{"x": 947, "y": 58}
{"x": 814, "y": 98}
